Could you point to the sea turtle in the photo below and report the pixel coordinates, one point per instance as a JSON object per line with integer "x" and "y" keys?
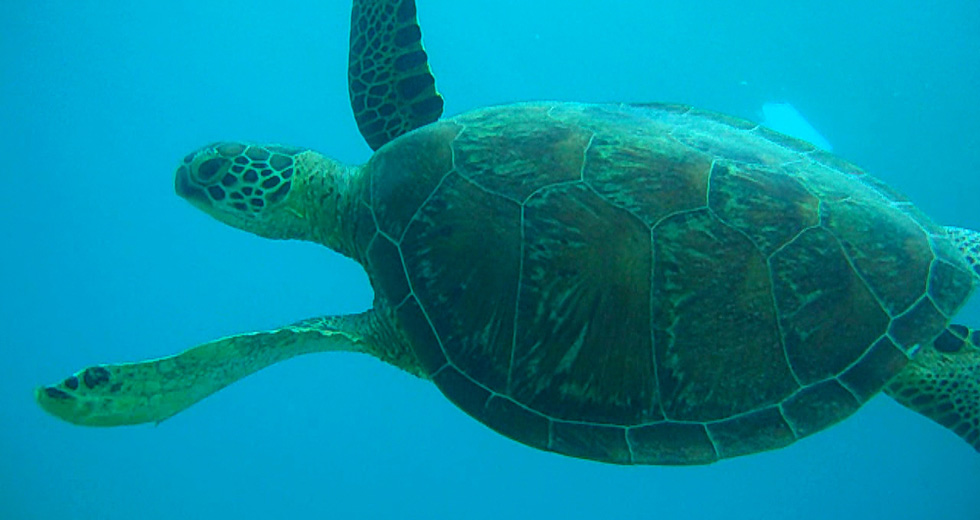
{"x": 633, "y": 284}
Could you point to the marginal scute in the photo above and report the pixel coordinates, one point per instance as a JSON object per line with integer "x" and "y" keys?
{"x": 677, "y": 108}
{"x": 725, "y": 119}
{"x": 591, "y": 441}
{"x": 750, "y": 433}
{"x": 792, "y": 143}
{"x": 819, "y": 406}
{"x": 921, "y": 324}
{"x": 950, "y": 285}
{"x": 497, "y": 412}
{"x": 829, "y": 184}
{"x": 873, "y": 371}
{"x": 835, "y": 163}
{"x": 517, "y": 422}
{"x": 670, "y": 443}
{"x": 722, "y": 137}
{"x": 889, "y": 192}
{"x": 462, "y": 391}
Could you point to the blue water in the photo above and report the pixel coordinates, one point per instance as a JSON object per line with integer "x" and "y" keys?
{"x": 100, "y": 262}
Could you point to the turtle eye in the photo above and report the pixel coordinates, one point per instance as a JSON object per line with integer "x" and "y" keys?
{"x": 210, "y": 168}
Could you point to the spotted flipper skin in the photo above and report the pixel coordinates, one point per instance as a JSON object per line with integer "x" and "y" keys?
{"x": 942, "y": 382}
{"x": 152, "y": 391}
{"x": 392, "y": 91}
{"x": 968, "y": 241}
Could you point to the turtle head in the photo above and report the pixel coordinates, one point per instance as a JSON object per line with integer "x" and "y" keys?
{"x": 271, "y": 190}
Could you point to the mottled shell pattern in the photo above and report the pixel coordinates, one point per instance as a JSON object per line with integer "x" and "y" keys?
{"x": 648, "y": 284}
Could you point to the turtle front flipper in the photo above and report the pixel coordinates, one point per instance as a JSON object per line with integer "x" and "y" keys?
{"x": 942, "y": 382}
{"x": 392, "y": 91}
{"x": 152, "y": 391}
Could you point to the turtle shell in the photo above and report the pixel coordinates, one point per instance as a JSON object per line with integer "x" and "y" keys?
{"x": 647, "y": 284}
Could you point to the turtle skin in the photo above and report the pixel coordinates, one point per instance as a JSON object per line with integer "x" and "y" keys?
{"x": 647, "y": 284}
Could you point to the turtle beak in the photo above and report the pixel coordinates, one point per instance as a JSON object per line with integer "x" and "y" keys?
{"x": 187, "y": 189}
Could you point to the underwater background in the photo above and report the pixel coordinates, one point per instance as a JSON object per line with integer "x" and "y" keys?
{"x": 101, "y": 262}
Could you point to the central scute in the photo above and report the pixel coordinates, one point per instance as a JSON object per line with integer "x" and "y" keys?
{"x": 631, "y": 284}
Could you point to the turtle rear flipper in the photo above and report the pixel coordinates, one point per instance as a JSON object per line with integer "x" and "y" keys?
{"x": 942, "y": 382}
{"x": 968, "y": 242}
{"x": 152, "y": 391}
